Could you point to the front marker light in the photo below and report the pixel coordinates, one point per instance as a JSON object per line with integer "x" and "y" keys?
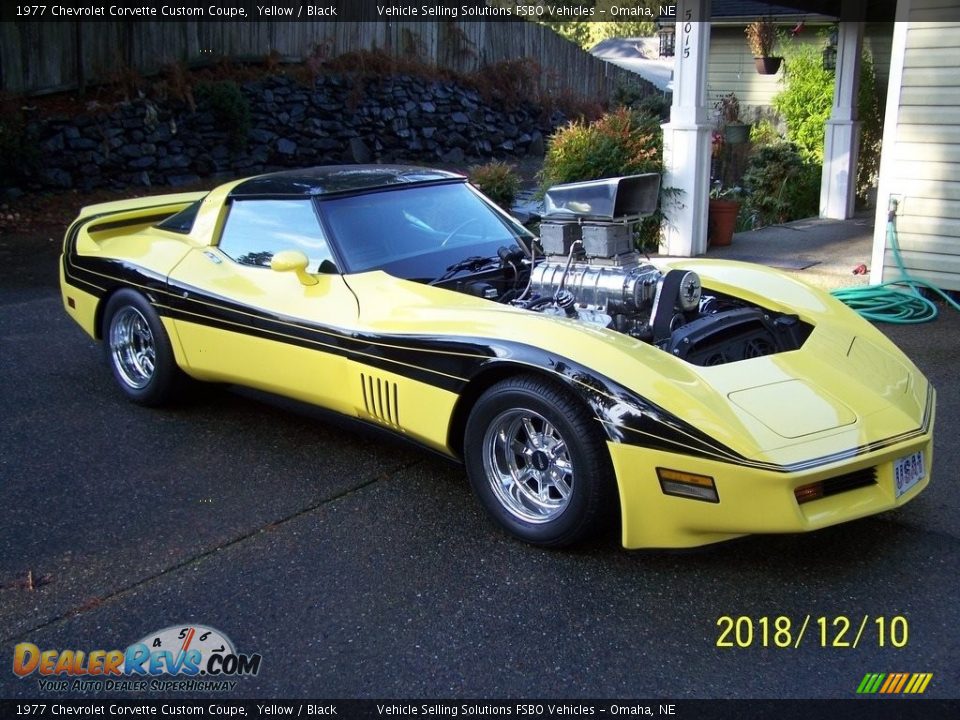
{"x": 687, "y": 485}
{"x": 806, "y": 493}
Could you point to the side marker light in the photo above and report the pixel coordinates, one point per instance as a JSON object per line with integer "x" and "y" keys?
{"x": 687, "y": 485}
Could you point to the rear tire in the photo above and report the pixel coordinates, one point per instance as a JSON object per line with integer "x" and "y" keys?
{"x": 538, "y": 463}
{"x": 138, "y": 350}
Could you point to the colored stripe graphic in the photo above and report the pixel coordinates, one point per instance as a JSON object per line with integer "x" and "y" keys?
{"x": 894, "y": 683}
{"x": 870, "y": 683}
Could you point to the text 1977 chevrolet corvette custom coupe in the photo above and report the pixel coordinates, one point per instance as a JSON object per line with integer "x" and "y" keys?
{"x": 692, "y": 400}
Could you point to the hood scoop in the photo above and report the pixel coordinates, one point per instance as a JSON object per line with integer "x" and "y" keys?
{"x": 793, "y": 408}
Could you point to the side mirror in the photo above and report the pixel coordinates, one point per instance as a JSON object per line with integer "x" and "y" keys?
{"x": 293, "y": 261}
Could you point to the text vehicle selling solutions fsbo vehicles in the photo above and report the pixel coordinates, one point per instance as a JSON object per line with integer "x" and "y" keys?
{"x": 691, "y": 400}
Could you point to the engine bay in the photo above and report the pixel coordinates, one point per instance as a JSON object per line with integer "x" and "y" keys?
{"x": 588, "y": 271}
{"x": 671, "y": 310}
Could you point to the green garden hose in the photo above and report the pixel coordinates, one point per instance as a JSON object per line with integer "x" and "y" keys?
{"x": 895, "y": 301}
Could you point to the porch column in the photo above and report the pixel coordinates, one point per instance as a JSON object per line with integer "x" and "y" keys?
{"x": 686, "y": 138}
{"x": 838, "y": 184}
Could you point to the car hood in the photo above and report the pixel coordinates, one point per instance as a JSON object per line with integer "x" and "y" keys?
{"x": 834, "y": 393}
{"x": 847, "y": 387}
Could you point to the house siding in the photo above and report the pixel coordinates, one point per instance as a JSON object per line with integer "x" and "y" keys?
{"x": 923, "y": 153}
{"x": 731, "y": 66}
{"x": 731, "y": 70}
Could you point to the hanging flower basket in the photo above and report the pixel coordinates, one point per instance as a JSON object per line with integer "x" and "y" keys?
{"x": 761, "y": 37}
{"x": 767, "y": 65}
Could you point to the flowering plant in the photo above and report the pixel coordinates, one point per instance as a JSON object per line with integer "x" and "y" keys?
{"x": 719, "y": 192}
{"x": 716, "y": 144}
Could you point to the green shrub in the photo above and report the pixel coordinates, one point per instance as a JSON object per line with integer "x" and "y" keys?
{"x": 626, "y": 95}
{"x": 871, "y": 102}
{"x": 656, "y": 106}
{"x": 806, "y": 99}
{"x": 622, "y": 142}
{"x": 764, "y": 132}
{"x": 632, "y": 96}
{"x": 497, "y": 181}
{"x": 640, "y": 96}
{"x": 230, "y": 107}
{"x": 780, "y": 186}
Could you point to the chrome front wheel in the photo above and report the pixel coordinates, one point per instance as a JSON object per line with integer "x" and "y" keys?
{"x": 537, "y": 461}
{"x": 528, "y": 465}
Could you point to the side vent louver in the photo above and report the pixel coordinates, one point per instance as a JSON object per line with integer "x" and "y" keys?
{"x": 380, "y": 399}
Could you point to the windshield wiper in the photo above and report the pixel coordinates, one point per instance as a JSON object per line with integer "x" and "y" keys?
{"x": 472, "y": 264}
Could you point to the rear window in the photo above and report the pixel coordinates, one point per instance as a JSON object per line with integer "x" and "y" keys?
{"x": 182, "y": 222}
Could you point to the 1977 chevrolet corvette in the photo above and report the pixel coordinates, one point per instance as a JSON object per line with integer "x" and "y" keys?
{"x": 692, "y": 400}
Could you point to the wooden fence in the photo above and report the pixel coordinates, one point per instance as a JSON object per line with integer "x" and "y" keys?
{"x": 41, "y": 57}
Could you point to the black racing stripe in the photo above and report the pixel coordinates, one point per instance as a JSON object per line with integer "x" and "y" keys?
{"x": 444, "y": 362}
{"x": 450, "y": 362}
{"x": 631, "y": 419}
{"x": 321, "y": 343}
{"x": 82, "y": 272}
{"x": 665, "y": 433}
{"x": 100, "y": 275}
{"x": 129, "y": 222}
{"x": 440, "y": 361}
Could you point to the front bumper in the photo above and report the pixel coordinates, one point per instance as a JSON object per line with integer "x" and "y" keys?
{"x": 751, "y": 500}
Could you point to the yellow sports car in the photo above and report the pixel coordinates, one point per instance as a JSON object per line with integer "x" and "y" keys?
{"x": 582, "y": 385}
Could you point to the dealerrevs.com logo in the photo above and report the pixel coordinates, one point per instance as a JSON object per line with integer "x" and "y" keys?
{"x": 188, "y": 658}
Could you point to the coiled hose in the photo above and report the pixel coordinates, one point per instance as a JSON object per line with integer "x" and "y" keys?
{"x": 896, "y": 301}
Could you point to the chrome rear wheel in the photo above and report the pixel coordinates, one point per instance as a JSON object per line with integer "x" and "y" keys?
{"x": 132, "y": 349}
{"x": 138, "y": 349}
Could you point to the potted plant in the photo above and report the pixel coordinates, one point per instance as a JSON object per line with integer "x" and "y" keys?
{"x": 735, "y": 131}
{"x": 722, "y": 213}
{"x": 761, "y": 37}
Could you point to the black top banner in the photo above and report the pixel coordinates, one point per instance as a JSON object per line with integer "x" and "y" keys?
{"x": 424, "y": 10}
{"x": 339, "y": 10}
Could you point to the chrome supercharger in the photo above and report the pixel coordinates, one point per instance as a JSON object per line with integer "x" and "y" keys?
{"x": 612, "y": 289}
{"x": 591, "y": 270}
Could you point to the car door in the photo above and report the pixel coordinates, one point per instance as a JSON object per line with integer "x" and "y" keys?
{"x": 239, "y": 321}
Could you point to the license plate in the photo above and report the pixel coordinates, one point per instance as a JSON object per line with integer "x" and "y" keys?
{"x": 907, "y": 472}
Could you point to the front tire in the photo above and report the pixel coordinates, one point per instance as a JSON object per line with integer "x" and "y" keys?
{"x": 138, "y": 350}
{"x": 538, "y": 463}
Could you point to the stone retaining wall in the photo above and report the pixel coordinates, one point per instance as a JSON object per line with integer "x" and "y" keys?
{"x": 396, "y": 119}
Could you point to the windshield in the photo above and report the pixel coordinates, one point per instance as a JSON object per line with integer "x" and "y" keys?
{"x": 417, "y": 233}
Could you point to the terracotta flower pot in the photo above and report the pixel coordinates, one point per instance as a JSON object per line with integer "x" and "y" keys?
{"x": 721, "y": 221}
{"x": 767, "y": 65}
